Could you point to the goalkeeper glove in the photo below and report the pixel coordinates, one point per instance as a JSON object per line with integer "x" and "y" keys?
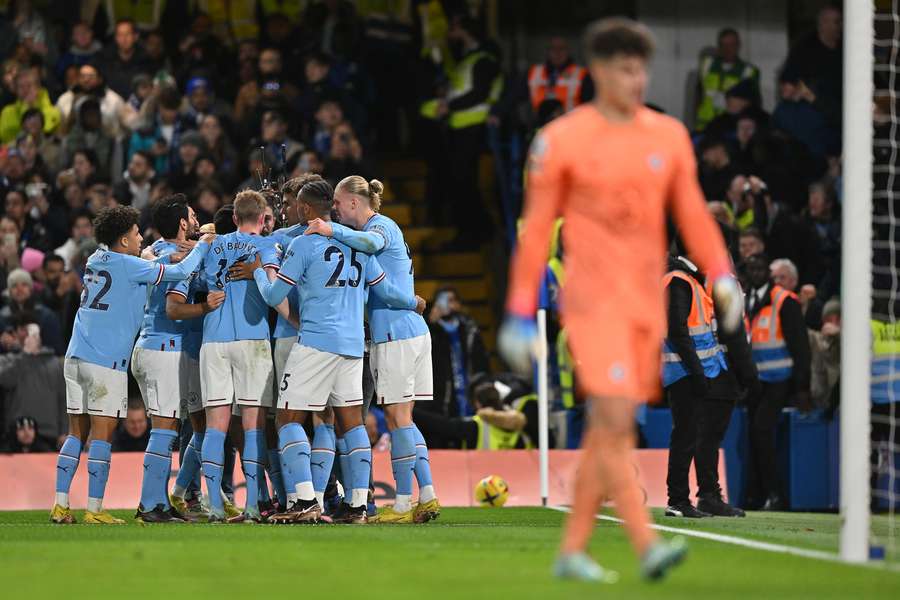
{"x": 729, "y": 302}
{"x": 517, "y": 342}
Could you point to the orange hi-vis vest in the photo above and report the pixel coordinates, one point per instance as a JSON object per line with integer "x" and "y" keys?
{"x": 566, "y": 88}
{"x": 770, "y": 351}
{"x": 701, "y": 328}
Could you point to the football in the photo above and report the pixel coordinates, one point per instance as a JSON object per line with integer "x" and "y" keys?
{"x": 492, "y": 491}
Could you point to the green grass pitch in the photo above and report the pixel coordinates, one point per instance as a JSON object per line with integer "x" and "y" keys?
{"x": 467, "y": 553}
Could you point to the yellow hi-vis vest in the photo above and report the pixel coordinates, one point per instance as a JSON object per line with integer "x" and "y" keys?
{"x": 145, "y": 13}
{"x": 714, "y": 82}
{"x": 885, "y": 371}
{"x": 292, "y": 9}
{"x": 232, "y": 20}
{"x": 460, "y": 77}
{"x": 495, "y": 438}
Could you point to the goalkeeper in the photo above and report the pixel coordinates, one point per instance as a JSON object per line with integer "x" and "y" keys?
{"x": 614, "y": 170}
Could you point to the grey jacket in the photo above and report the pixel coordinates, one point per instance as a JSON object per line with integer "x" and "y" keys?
{"x": 33, "y": 385}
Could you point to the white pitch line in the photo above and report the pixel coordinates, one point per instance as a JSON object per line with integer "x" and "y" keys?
{"x": 752, "y": 544}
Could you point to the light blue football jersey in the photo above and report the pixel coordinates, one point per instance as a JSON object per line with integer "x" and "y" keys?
{"x": 244, "y": 314}
{"x": 332, "y": 279}
{"x": 386, "y": 323}
{"x": 158, "y": 331}
{"x": 282, "y": 238}
{"x": 113, "y": 301}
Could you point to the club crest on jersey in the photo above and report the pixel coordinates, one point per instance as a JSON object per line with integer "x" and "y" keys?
{"x": 655, "y": 161}
{"x": 537, "y": 152}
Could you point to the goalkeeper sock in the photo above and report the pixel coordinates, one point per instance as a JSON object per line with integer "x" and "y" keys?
{"x": 212, "y": 454}
{"x": 157, "y": 465}
{"x": 423, "y": 467}
{"x": 99, "y": 456}
{"x": 403, "y": 461}
{"x": 66, "y": 465}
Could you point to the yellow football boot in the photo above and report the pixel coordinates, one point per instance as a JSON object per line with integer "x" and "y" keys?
{"x": 179, "y": 504}
{"x": 231, "y": 510}
{"x": 388, "y": 515}
{"x": 429, "y": 511}
{"x": 101, "y": 518}
{"x": 61, "y": 515}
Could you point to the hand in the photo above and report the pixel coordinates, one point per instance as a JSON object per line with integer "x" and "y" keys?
{"x": 213, "y": 301}
{"x": 442, "y": 109}
{"x": 9, "y": 342}
{"x": 807, "y": 293}
{"x": 320, "y": 227}
{"x": 186, "y": 245}
{"x": 517, "y": 342}
{"x": 729, "y": 303}
{"x": 831, "y": 329}
{"x": 240, "y": 271}
{"x": 805, "y": 93}
{"x": 32, "y": 344}
{"x": 757, "y": 185}
{"x": 208, "y": 238}
{"x": 148, "y": 254}
{"x": 420, "y": 304}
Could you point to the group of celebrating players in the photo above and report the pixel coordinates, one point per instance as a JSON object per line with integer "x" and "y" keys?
{"x": 205, "y": 355}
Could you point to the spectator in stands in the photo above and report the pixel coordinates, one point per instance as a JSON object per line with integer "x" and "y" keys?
{"x": 83, "y": 166}
{"x": 823, "y": 227}
{"x": 61, "y": 293}
{"x": 785, "y": 274}
{"x": 200, "y": 101}
{"x": 124, "y": 59}
{"x": 49, "y": 220}
{"x": 346, "y": 156}
{"x": 21, "y": 300}
{"x": 29, "y": 94}
{"x": 801, "y": 114}
{"x": 10, "y": 248}
{"x": 559, "y": 78}
{"x": 49, "y": 146}
{"x": 30, "y": 231}
{"x": 308, "y": 161}
{"x": 457, "y": 353}
{"x": 31, "y": 28}
{"x": 741, "y": 100}
{"x": 274, "y": 133}
{"x": 751, "y": 242}
{"x": 718, "y": 74}
{"x": 82, "y": 233}
{"x": 134, "y": 189}
{"x": 782, "y": 356}
{"x": 329, "y": 115}
{"x": 133, "y": 432}
{"x": 251, "y": 93}
{"x": 218, "y": 145}
{"x": 209, "y": 200}
{"x": 24, "y": 437}
{"x": 817, "y": 60}
{"x": 161, "y": 129}
{"x": 118, "y": 115}
{"x": 317, "y": 88}
{"x": 155, "y": 51}
{"x": 825, "y": 346}
{"x": 31, "y": 375}
{"x": 88, "y": 132}
{"x": 716, "y": 171}
{"x": 13, "y": 170}
{"x": 182, "y": 176}
{"x": 82, "y": 50}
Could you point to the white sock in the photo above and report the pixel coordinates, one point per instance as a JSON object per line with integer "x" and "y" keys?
{"x": 305, "y": 490}
{"x": 402, "y": 503}
{"x": 320, "y": 498}
{"x": 426, "y": 494}
{"x": 62, "y": 498}
{"x": 95, "y": 505}
{"x": 178, "y": 491}
{"x": 360, "y": 497}
{"x": 224, "y": 496}
{"x": 291, "y": 498}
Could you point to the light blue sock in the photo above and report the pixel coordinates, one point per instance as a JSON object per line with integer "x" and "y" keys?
{"x": 403, "y": 459}
{"x": 99, "y": 456}
{"x": 295, "y": 459}
{"x": 212, "y": 454}
{"x": 423, "y": 466}
{"x": 251, "y": 460}
{"x": 190, "y": 465}
{"x": 359, "y": 455}
{"x": 157, "y": 464}
{"x": 343, "y": 463}
{"x": 322, "y": 457}
{"x": 274, "y": 469}
{"x": 66, "y": 465}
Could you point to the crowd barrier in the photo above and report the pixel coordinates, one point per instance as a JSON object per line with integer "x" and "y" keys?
{"x": 28, "y": 480}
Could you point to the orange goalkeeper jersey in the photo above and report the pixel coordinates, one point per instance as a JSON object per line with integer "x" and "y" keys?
{"x": 614, "y": 184}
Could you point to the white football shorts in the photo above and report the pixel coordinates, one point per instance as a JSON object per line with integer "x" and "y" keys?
{"x": 314, "y": 379}
{"x": 402, "y": 370}
{"x": 95, "y": 390}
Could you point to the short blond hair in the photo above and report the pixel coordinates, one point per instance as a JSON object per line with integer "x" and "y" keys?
{"x": 249, "y": 205}
{"x": 370, "y": 190}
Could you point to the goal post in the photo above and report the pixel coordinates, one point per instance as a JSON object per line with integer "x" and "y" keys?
{"x": 856, "y": 286}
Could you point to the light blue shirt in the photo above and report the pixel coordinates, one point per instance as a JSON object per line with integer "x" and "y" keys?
{"x": 383, "y": 238}
{"x": 333, "y": 280}
{"x": 282, "y": 238}
{"x": 113, "y": 301}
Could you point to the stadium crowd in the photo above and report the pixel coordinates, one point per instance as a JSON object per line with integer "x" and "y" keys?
{"x": 124, "y": 103}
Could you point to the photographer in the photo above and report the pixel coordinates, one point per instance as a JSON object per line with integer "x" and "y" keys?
{"x": 457, "y": 354}
{"x": 32, "y": 378}
{"x": 346, "y": 155}
{"x": 21, "y": 301}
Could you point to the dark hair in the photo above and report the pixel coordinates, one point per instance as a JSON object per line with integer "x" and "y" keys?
{"x": 113, "y": 223}
{"x": 79, "y": 214}
{"x": 469, "y": 25}
{"x": 32, "y": 112}
{"x": 443, "y": 290}
{"x": 145, "y": 155}
{"x": 320, "y": 57}
{"x": 292, "y": 186}
{"x": 90, "y": 154}
{"x": 725, "y": 32}
{"x": 223, "y": 220}
{"x": 49, "y": 258}
{"x": 169, "y": 98}
{"x": 487, "y": 395}
{"x": 318, "y": 194}
{"x": 752, "y": 232}
{"x": 614, "y": 36}
{"x": 25, "y": 317}
{"x": 168, "y": 213}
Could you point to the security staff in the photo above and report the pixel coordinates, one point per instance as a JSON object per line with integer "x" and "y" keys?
{"x": 559, "y": 78}
{"x": 718, "y": 74}
{"x": 702, "y": 370}
{"x": 782, "y": 356}
{"x": 474, "y": 85}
